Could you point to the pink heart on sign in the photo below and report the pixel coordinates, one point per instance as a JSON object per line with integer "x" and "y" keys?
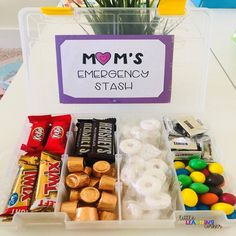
{"x": 103, "y": 58}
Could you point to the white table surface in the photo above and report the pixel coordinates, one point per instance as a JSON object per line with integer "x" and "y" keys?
{"x": 220, "y": 113}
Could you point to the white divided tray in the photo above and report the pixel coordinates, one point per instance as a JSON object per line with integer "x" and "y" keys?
{"x": 177, "y": 215}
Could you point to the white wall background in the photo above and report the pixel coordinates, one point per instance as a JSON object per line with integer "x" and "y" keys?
{"x": 9, "y": 33}
{"x": 9, "y": 10}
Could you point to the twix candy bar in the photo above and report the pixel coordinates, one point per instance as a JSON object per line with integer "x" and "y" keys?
{"x": 23, "y": 188}
{"x": 47, "y": 185}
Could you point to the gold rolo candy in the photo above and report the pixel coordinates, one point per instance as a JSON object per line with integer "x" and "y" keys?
{"x": 113, "y": 172}
{"x": 107, "y": 215}
{"x": 75, "y": 164}
{"x": 88, "y": 170}
{"x": 77, "y": 180}
{"x": 89, "y": 194}
{"x": 86, "y": 214}
{"x": 107, "y": 183}
{"x": 69, "y": 208}
{"x": 107, "y": 202}
{"x": 101, "y": 168}
{"x": 74, "y": 195}
{"x": 94, "y": 182}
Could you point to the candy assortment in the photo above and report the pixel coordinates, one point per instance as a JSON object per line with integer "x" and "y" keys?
{"x": 202, "y": 187}
{"x": 145, "y": 174}
{"x": 91, "y": 177}
{"x": 200, "y": 177}
{"x": 145, "y": 188}
{"x": 36, "y": 183}
{"x": 91, "y": 191}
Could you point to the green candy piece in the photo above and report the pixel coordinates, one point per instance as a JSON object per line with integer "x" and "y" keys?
{"x": 185, "y": 180}
{"x": 197, "y": 164}
{"x": 195, "y": 156}
{"x": 199, "y": 188}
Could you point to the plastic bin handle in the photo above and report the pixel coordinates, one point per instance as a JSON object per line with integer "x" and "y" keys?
{"x": 57, "y": 10}
{"x": 172, "y": 7}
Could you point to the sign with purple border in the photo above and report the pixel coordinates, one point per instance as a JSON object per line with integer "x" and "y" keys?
{"x": 114, "y": 68}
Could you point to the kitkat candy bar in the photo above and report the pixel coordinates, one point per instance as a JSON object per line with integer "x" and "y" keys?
{"x": 23, "y": 188}
{"x": 47, "y": 185}
{"x": 38, "y": 133}
{"x": 57, "y": 138}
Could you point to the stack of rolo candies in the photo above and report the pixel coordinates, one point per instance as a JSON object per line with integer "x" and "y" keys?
{"x": 201, "y": 187}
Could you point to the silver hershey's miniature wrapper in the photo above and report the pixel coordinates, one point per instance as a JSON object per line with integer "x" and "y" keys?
{"x": 183, "y": 143}
{"x": 191, "y": 125}
{"x": 206, "y": 146}
{"x": 169, "y": 126}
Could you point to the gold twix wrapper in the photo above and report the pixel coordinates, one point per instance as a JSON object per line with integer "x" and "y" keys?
{"x": 47, "y": 186}
{"x": 23, "y": 188}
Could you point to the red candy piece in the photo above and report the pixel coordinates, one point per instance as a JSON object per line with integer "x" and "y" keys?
{"x": 205, "y": 172}
{"x": 57, "y": 138}
{"x": 228, "y": 198}
{"x": 209, "y": 198}
{"x": 38, "y": 134}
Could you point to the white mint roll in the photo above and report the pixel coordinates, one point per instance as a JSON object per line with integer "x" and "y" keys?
{"x": 151, "y": 215}
{"x": 158, "y": 164}
{"x": 130, "y": 146}
{"x": 161, "y": 202}
{"x": 132, "y": 210}
{"x": 137, "y": 133}
{"x": 149, "y": 151}
{"x": 150, "y": 125}
{"x": 127, "y": 175}
{"x": 157, "y": 173}
{"x": 148, "y": 185}
{"x": 125, "y": 132}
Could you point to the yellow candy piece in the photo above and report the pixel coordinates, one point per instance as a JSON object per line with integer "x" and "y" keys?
{"x": 190, "y": 197}
{"x": 215, "y": 168}
{"x": 179, "y": 165}
{"x": 197, "y": 177}
{"x": 189, "y": 169}
{"x": 221, "y": 206}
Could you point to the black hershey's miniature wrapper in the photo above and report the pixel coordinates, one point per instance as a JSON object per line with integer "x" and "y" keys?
{"x": 103, "y": 140}
{"x": 84, "y": 137}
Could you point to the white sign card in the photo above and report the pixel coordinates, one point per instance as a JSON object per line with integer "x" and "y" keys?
{"x": 114, "y": 69}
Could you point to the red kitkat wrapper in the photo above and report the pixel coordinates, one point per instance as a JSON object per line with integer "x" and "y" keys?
{"x": 38, "y": 134}
{"x": 57, "y": 138}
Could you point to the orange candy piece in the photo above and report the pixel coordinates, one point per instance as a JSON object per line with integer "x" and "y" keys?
{"x": 209, "y": 198}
